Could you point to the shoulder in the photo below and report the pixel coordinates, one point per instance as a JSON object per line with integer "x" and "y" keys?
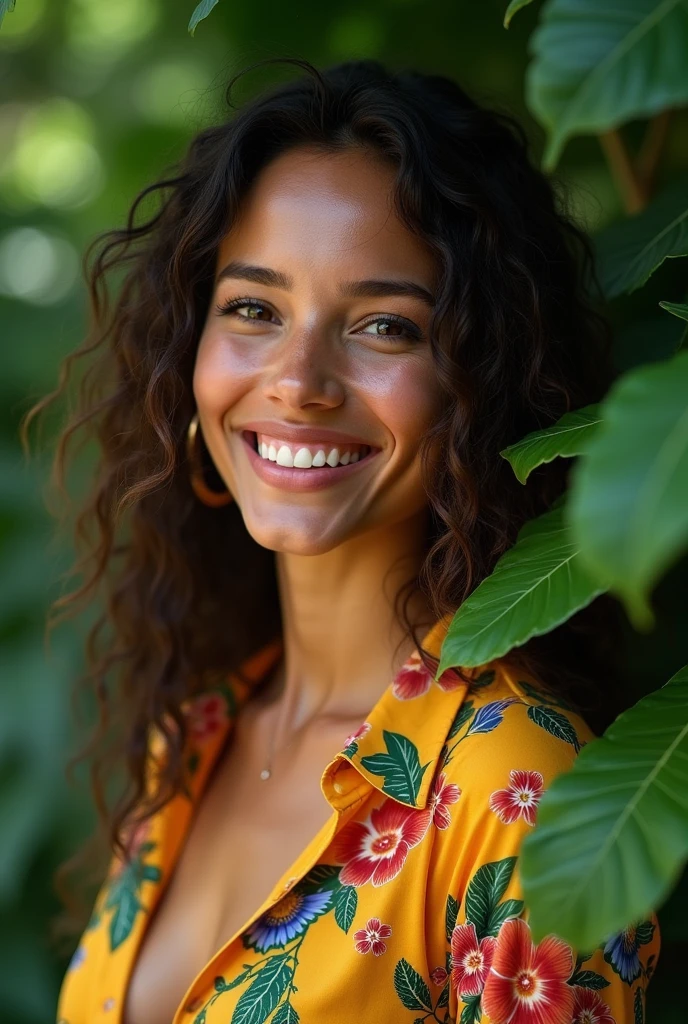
{"x": 510, "y": 738}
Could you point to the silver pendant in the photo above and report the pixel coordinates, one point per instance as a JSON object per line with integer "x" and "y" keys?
{"x": 265, "y": 774}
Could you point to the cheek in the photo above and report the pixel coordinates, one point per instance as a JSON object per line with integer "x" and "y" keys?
{"x": 409, "y": 404}
{"x": 221, "y": 375}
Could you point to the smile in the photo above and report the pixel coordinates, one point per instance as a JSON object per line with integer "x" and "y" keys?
{"x": 304, "y": 467}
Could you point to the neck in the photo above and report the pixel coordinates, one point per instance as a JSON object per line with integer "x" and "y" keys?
{"x": 342, "y": 639}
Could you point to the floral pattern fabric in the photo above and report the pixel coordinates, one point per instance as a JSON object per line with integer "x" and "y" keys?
{"x": 408, "y": 908}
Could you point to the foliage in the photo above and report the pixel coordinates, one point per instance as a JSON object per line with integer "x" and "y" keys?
{"x": 612, "y": 834}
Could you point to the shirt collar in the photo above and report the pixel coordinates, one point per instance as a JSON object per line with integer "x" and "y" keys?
{"x": 397, "y": 748}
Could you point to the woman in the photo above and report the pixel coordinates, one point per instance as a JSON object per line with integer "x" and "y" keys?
{"x": 353, "y": 295}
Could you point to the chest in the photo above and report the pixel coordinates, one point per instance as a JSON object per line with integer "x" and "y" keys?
{"x": 244, "y": 837}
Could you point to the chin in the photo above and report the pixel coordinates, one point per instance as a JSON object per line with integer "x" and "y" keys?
{"x": 294, "y": 538}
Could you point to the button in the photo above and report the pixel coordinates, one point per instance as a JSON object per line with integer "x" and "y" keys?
{"x": 338, "y": 787}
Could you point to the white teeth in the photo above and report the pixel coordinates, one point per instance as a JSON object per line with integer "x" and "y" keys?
{"x": 303, "y": 459}
{"x": 285, "y": 457}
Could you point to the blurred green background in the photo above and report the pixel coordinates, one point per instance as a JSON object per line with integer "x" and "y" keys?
{"x": 96, "y": 99}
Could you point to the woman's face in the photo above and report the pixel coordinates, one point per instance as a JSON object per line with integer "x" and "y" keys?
{"x": 323, "y": 363}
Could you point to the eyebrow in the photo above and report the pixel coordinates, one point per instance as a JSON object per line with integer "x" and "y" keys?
{"x": 350, "y": 289}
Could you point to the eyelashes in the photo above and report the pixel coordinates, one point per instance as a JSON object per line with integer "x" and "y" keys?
{"x": 411, "y": 331}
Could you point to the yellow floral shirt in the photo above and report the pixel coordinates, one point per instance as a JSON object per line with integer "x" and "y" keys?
{"x": 406, "y": 907}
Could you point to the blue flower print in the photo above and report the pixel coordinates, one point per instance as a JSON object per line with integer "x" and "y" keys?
{"x": 287, "y": 919}
{"x": 621, "y": 950}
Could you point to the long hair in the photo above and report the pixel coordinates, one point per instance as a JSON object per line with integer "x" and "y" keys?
{"x": 517, "y": 339}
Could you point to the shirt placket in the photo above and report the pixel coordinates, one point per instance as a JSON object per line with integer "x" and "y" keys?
{"x": 344, "y": 790}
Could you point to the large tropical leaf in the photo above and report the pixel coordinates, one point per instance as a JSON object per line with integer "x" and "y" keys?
{"x": 629, "y": 251}
{"x": 628, "y": 506}
{"x": 568, "y": 436}
{"x": 538, "y": 584}
{"x": 513, "y": 8}
{"x": 202, "y": 11}
{"x": 676, "y": 308}
{"x": 599, "y": 63}
{"x": 612, "y": 833}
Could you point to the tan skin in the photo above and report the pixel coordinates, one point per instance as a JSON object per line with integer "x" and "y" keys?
{"x": 304, "y": 355}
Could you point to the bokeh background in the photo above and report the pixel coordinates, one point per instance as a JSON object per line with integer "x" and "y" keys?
{"x": 97, "y": 98}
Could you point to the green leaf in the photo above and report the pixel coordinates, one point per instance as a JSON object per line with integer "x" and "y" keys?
{"x": 201, "y": 12}
{"x": 612, "y": 832}
{"x": 676, "y": 308}
{"x": 124, "y": 916}
{"x": 485, "y": 890}
{"x": 588, "y": 979}
{"x": 499, "y": 914}
{"x": 555, "y": 724}
{"x": 569, "y": 436}
{"x": 597, "y": 65}
{"x": 450, "y": 915}
{"x": 513, "y": 8}
{"x": 536, "y": 585}
{"x": 410, "y": 987}
{"x": 638, "y": 1009}
{"x": 471, "y": 1010}
{"x": 264, "y": 993}
{"x": 286, "y": 1014}
{"x": 345, "y": 907}
{"x": 462, "y": 716}
{"x": 400, "y": 766}
{"x": 150, "y": 873}
{"x": 628, "y": 506}
{"x": 5, "y": 6}
{"x": 630, "y": 250}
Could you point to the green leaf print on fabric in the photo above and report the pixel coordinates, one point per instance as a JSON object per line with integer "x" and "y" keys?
{"x": 286, "y": 1014}
{"x": 123, "y": 894}
{"x": 554, "y": 723}
{"x": 638, "y": 1009}
{"x": 543, "y": 695}
{"x": 400, "y": 766}
{"x": 345, "y": 907}
{"x": 485, "y": 890}
{"x": 451, "y": 914}
{"x": 262, "y": 996}
{"x": 462, "y": 716}
{"x": 484, "y": 679}
{"x": 588, "y": 979}
{"x": 411, "y": 987}
{"x": 471, "y": 1010}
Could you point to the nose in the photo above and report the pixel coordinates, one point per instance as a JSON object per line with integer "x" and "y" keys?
{"x": 304, "y": 374}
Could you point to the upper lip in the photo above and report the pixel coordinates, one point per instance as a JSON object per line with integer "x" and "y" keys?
{"x": 297, "y": 432}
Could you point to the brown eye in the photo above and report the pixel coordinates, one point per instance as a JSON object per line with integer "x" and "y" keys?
{"x": 253, "y": 315}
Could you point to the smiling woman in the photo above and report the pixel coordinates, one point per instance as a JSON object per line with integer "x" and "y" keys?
{"x": 354, "y": 294}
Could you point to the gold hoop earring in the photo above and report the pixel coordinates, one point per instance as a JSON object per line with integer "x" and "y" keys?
{"x": 214, "y": 499}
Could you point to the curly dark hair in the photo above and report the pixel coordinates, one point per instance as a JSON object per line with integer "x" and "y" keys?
{"x": 518, "y": 338}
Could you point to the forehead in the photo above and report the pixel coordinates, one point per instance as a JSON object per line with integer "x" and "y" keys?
{"x": 319, "y": 208}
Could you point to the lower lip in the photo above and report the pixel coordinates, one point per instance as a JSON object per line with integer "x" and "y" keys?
{"x": 294, "y": 479}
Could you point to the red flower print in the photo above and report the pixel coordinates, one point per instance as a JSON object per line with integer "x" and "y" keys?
{"x": 450, "y": 680}
{"x": 361, "y": 731}
{"x": 375, "y": 849}
{"x": 520, "y": 800}
{"x": 207, "y": 715}
{"x": 470, "y": 959}
{"x": 443, "y": 794}
{"x": 412, "y": 680}
{"x": 371, "y": 937}
{"x": 588, "y": 1007}
{"x": 438, "y": 976}
{"x": 527, "y": 983}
